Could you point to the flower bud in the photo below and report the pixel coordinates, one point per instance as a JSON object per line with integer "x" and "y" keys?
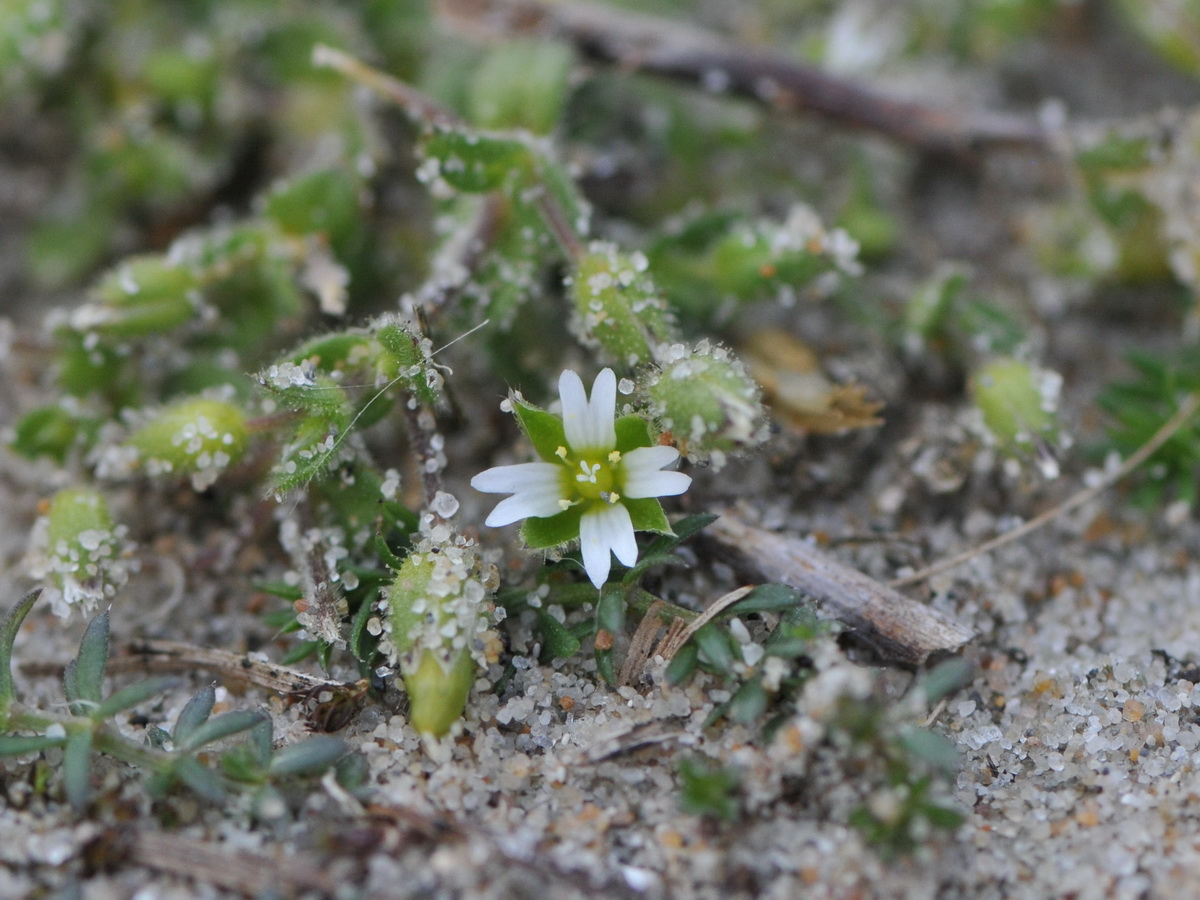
{"x": 1018, "y": 402}
{"x": 198, "y": 437}
{"x": 521, "y": 84}
{"x": 144, "y": 296}
{"x": 408, "y": 357}
{"x": 435, "y": 611}
{"x": 707, "y": 401}
{"x": 79, "y": 549}
{"x": 617, "y": 307}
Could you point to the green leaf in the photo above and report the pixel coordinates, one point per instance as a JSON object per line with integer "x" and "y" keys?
{"x": 241, "y": 764}
{"x": 542, "y": 534}
{"x": 766, "y": 598}
{"x": 947, "y": 677}
{"x": 610, "y": 622}
{"x": 475, "y": 163}
{"x": 646, "y": 563}
{"x": 931, "y": 748}
{"x": 681, "y": 667}
{"x": 685, "y": 529}
{"x": 632, "y": 432}
{"x": 261, "y": 742}
{"x": 544, "y": 430}
{"x": 308, "y": 757}
{"x": 46, "y": 431}
{"x": 268, "y": 804}
{"x": 18, "y": 744}
{"x": 362, "y": 643}
{"x": 92, "y": 658}
{"x": 194, "y": 714}
{"x": 647, "y": 514}
{"x": 8, "y": 634}
{"x": 301, "y": 652}
{"x": 77, "y": 769}
{"x": 221, "y": 727}
{"x": 560, "y": 643}
{"x": 943, "y": 816}
{"x": 714, "y": 647}
{"x": 708, "y": 788}
{"x": 279, "y": 589}
{"x": 131, "y": 696}
{"x": 749, "y": 702}
{"x": 70, "y": 690}
{"x": 199, "y": 778}
{"x": 353, "y": 771}
{"x": 386, "y": 555}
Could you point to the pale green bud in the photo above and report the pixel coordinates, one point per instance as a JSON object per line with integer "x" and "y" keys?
{"x": 408, "y": 358}
{"x": 146, "y": 295}
{"x": 198, "y": 437}
{"x": 707, "y": 401}
{"x": 1018, "y": 402}
{"x": 521, "y": 84}
{"x": 435, "y": 616}
{"x": 617, "y": 307}
{"x": 78, "y": 548}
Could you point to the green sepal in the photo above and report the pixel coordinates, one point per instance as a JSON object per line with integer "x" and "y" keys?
{"x": 632, "y": 432}
{"x": 559, "y": 642}
{"x": 554, "y": 531}
{"x": 544, "y": 430}
{"x": 647, "y": 514}
{"x": 437, "y": 697}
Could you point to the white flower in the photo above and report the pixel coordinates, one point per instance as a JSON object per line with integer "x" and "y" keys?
{"x": 597, "y": 481}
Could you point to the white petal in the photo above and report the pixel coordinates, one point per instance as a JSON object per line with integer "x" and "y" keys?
{"x": 601, "y": 532}
{"x": 522, "y": 477}
{"x": 589, "y": 424}
{"x": 574, "y": 407}
{"x": 642, "y": 475}
{"x": 649, "y": 458}
{"x": 657, "y": 484}
{"x": 541, "y": 504}
{"x": 602, "y": 410}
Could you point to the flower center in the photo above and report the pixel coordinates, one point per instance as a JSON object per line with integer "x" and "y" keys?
{"x": 593, "y": 479}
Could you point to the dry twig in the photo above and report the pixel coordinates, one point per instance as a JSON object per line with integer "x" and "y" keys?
{"x": 898, "y": 629}
{"x": 641, "y": 43}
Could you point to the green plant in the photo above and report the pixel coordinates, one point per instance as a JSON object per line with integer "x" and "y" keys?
{"x": 169, "y": 758}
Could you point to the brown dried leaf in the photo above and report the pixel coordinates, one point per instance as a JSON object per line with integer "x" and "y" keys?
{"x": 800, "y": 393}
